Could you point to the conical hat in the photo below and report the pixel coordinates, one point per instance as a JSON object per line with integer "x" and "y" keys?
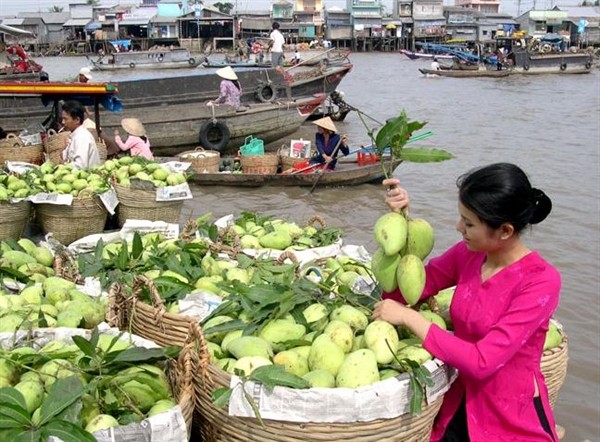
{"x": 227, "y": 73}
{"x": 133, "y": 126}
{"x": 326, "y": 123}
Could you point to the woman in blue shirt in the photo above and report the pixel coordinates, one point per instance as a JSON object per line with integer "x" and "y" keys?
{"x": 327, "y": 140}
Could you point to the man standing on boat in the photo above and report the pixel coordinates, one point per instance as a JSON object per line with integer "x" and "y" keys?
{"x": 81, "y": 151}
{"x": 435, "y": 66}
{"x": 277, "y": 46}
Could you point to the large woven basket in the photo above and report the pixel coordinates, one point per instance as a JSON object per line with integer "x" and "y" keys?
{"x": 150, "y": 321}
{"x": 85, "y": 216}
{"x": 142, "y": 204}
{"x": 260, "y": 164}
{"x": 203, "y": 161}
{"x": 12, "y": 149}
{"x": 288, "y": 162}
{"x": 13, "y": 218}
{"x": 554, "y": 368}
{"x": 215, "y": 424}
{"x": 54, "y": 145}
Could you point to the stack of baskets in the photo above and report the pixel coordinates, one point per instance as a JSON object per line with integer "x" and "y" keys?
{"x": 85, "y": 216}
{"x": 13, "y": 149}
{"x": 202, "y": 161}
{"x": 55, "y": 143}
{"x": 142, "y": 204}
{"x": 13, "y": 218}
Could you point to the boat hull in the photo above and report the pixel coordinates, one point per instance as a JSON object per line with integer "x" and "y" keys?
{"x": 160, "y": 59}
{"x": 465, "y": 74}
{"x": 421, "y": 55}
{"x": 526, "y": 63}
{"x": 345, "y": 174}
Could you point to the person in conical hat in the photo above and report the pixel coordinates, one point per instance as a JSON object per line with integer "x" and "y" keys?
{"x": 137, "y": 142}
{"x": 329, "y": 144}
{"x": 230, "y": 89}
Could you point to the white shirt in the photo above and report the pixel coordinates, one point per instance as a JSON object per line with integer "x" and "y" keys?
{"x": 435, "y": 66}
{"x": 278, "y": 41}
{"x": 82, "y": 151}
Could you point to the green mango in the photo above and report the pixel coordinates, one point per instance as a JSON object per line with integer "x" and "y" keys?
{"x": 411, "y": 278}
{"x": 420, "y": 238}
{"x": 390, "y": 232}
{"x": 358, "y": 369}
{"x": 381, "y": 337}
{"x": 325, "y": 355}
{"x": 292, "y": 361}
{"x": 320, "y": 379}
{"x": 385, "y": 269}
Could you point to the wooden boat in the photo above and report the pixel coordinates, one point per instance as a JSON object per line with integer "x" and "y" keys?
{"x": 465, "y": 74}
{"x": 423, "y": 55}
{"x": 170, "y": 96}
{"x": 345, "y": 174}
{"x": 207, "y": 63}
{"x": 155, "y": 59}
{"x": 459, "y": 67}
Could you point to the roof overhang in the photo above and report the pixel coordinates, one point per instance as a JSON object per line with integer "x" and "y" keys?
{"x": 6, "y": 29}
{"x": 77, "y": 22}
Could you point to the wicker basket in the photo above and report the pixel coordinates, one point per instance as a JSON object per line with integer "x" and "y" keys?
{"x": 203, "y": 161}
{"x": 260, "y": 164}
{"x": 12, "y": 149}
{"x": 85, "y": 216}
{"x": 102, "y": 150}
{"x": 142, "y": 204}
{"x": 288, "y": 162}
{"x": 216, "y": 425}
{"x": 554, "y": 368}
{"x": 55, "y": 143}
{"x": 13, "y": 218}
{"x": 148, "y": 321}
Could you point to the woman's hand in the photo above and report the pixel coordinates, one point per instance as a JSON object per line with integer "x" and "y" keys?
{"x": 344, "y": 139}
{"x": 391, "y": 311}
{"x": 116, "y": 133}
{"x": 327, "y": 158}
{"x": 395, "y": 196}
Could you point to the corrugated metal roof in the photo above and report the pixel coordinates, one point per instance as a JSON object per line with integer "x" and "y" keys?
{"x": 164, "y": 19}
{"x": 77, "y": 22}
{"x": 256, "y": 23}
{"x": 134, "y": 21}
{"x": 13, "y": 21}
{"x": 50, "y": 18}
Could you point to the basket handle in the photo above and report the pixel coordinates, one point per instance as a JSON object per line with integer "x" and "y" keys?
{"x": 199, "y": 149}
{"x": 185, "y": 364}
{"x": 287, "y": 255}
{"x": 197, "y": 343}
{"x": 315, "y": 219}
{"x": 139, "y": 283}
{"x": 65, "y": 266}
{"x": 248, "y": 139}
{"x": 189, "y": 229}
{"x": 51, "y": 132}
{"x": 117, "y": 310}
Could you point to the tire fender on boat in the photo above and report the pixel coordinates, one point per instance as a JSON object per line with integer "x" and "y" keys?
{"x": 132, "y": 65}
{"x": 526, "y": 67}
{"x": 160, "y": 58}
{"x": 563, "y": 67}
{"x": 588, "y": 65}
{"x": 266, "y": 93}
{"x": 214, "y": 135}
{"x": 192, "y": 61}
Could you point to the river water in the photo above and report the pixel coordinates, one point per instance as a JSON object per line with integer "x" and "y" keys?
{"x": 549, "y": 125}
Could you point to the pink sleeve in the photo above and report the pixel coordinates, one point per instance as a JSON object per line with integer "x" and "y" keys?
{"x": 441, "y": 273}
{"x": 532, "y": 304}
{"x": 223, "y": 92}
{"x": 126, "y": 145}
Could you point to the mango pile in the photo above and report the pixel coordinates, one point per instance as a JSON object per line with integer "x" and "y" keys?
{"x": 64, "y": 179}
{"x": 127, "y": 168}
{"x": 12, "y": 186}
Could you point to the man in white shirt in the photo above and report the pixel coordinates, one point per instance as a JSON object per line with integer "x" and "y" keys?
{"x": 277, "y": 47}
{"x": 81, "y": 151}
{"x": 435, "y": 66}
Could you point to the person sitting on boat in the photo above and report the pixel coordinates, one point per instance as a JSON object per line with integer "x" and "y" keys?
{"x": 137, "y": 142}
{"x": 296, "y": 59}
{"x": 81, "y": 151}
{"x": 435, "y": 66}
{"x": 85, "y": 75}
{"x": 230, "y": 89}
{"x": 329, "y": 143}
{"x": 19, "y": 58}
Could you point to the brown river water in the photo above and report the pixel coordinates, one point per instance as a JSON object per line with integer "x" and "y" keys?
{"x": 549, "y": 125}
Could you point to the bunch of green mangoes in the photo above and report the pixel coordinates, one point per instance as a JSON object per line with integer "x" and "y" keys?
{"x": 554, "y": 336}
{"x": 127, "y": 168}
{"x": 65, "y": 179}
{"x": 27, "y": 258}
{"x": 12, "y": 186}
{"x": 398, "y": 262}
{"x": 333, "y": 346}
{"x": 119, "y": 397}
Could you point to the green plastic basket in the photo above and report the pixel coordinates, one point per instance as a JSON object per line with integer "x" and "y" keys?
{"x": 253, "y": 146}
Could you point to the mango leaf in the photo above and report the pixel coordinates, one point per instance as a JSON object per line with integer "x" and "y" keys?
{"x": 122, "y": 261}
{"x": 12, "y": 415}
{"x": 213, "y": 233}
{"x": 63, "y": 393}
{"x": 85, "y": 346}
{"x": 424, "y": 155}
{"x": 274, "y": 375}
{"x": 141, "y": 354}
{"x": 137, "y": 247}
{"x": 220, "y": 397}
{"x": 23, "y": 435}
{"x": 9, "y": 395}
{"x": 416, "y": 398}
{"x": 67, "y": 432}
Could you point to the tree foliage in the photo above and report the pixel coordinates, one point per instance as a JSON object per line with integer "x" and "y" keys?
{"x": 56, "y": 9}
{"x": 225, "y": 8}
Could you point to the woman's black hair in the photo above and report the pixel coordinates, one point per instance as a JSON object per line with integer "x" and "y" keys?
{"x": 501, "y": 193}
{"x": 75, "y": 109}
{"x": 237, "y": 84}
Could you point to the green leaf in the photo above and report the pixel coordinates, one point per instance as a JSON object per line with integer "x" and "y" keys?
{"x": 23, "y": 435}
{"x": 67, "y": 431}
{"x": 220, "y": 397}
{"x": 9, "y": 395}
{"x": 141, "y": 354}
{"x": 236, "y": 324}
{"x": 273, "y": 375}
{"x": 213, "y": 233}
{"x": 11, "y": 413}
{"x": 424, "y": 155}
{"x": 416, "y": 398}
{"x": 123, "y": 257}
{"x": 137, "y": 247}
{"x": 85, "y": 346}
{"x": 62, "y": 394}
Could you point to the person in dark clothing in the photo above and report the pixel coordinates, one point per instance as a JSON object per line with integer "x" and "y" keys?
{"x": 329, "y": 143}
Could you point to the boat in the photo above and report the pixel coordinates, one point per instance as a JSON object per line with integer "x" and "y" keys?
{"x": 424, "y": 55}
{"x": 333, "y": 107}
{"x": 459, "y": 67}
{"x": 528, "y": 56}
{"x": 465, "y": 74}
{"x": 345, "y": 174}
{"x": 171, "y": 96}
{"x": 208, "y": 63}
{"x": 163, "y": 58}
